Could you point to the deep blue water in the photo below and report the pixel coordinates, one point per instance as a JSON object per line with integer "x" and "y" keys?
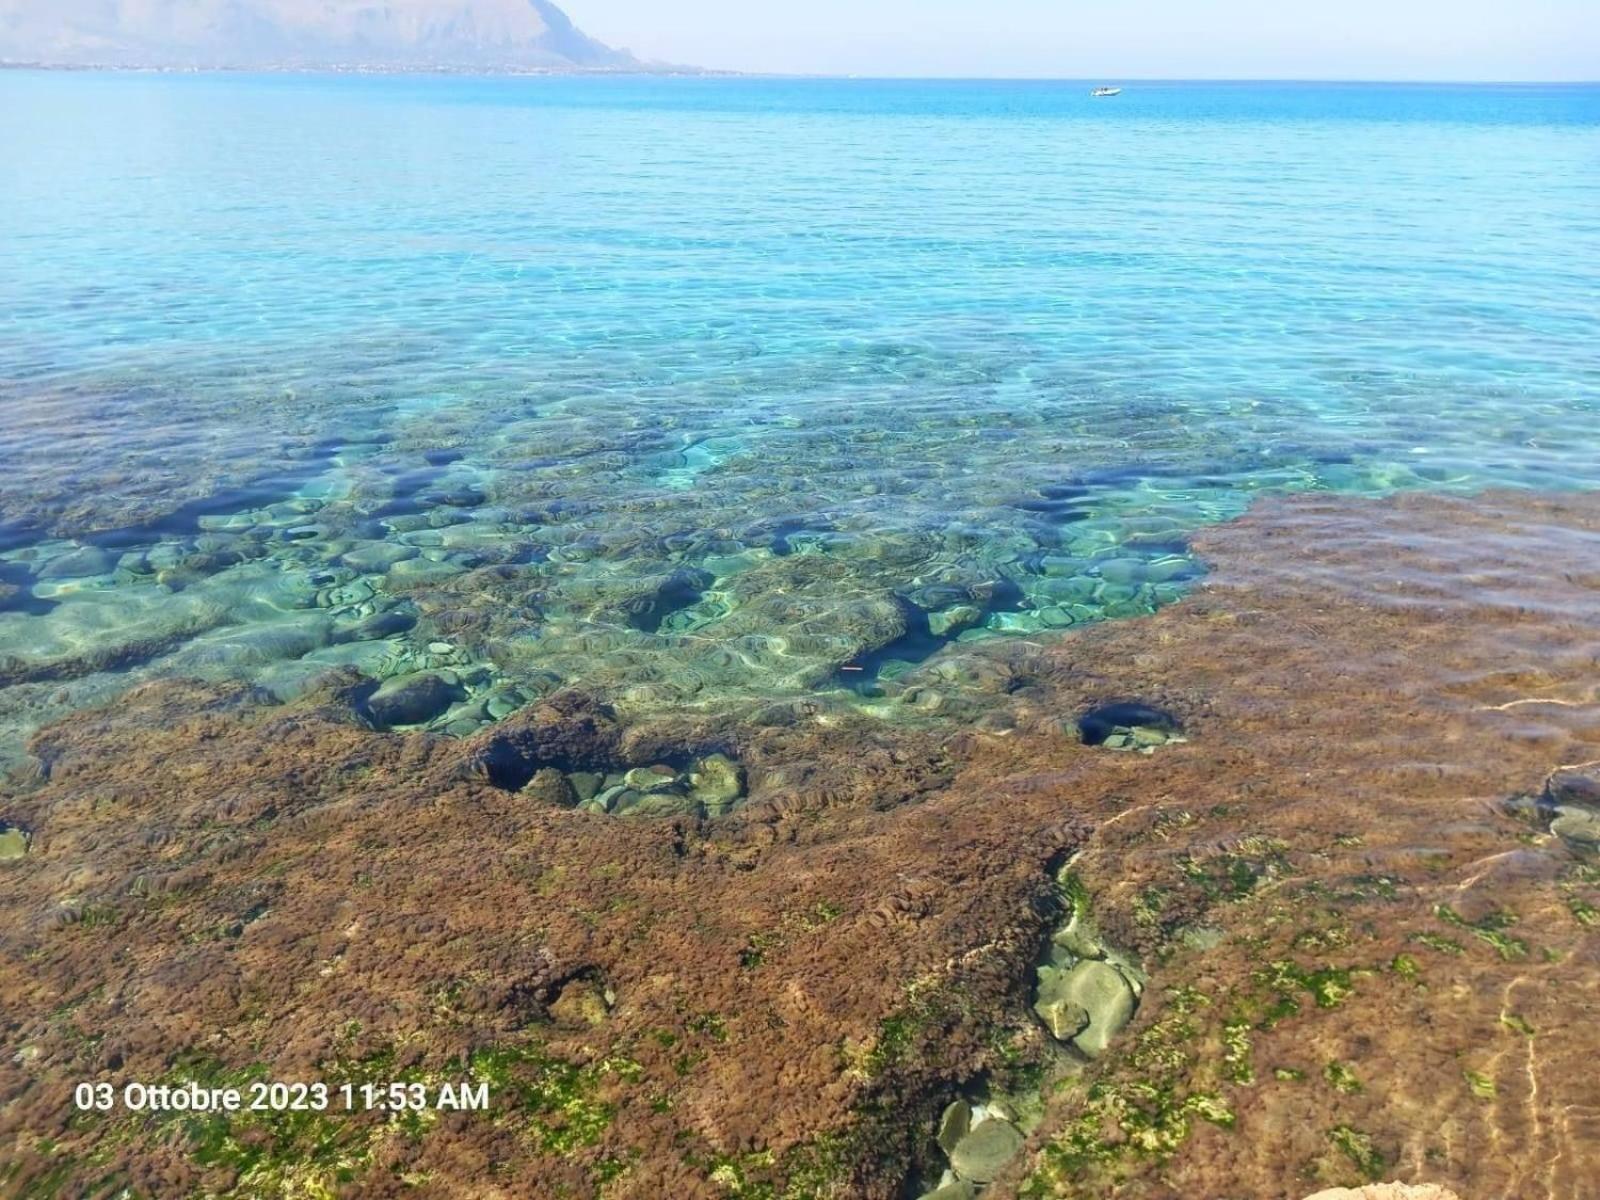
{"x": 692, "y": 389}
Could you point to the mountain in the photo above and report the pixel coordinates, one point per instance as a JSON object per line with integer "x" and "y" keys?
{"x": 393, "y": 34}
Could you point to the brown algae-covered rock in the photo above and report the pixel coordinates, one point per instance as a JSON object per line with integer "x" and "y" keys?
{"x": 809, "y": 980}
{"x": 550, "y": 786}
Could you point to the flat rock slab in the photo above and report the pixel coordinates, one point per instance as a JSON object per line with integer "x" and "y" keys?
{"x": 985, "y": 1151}
{"x": 1579, "y": 826}
{"x": 412, "y": 699}
{"x": 954, "y": 1125}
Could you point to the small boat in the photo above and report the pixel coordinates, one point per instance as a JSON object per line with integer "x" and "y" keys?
{"x": 1100, "y": 93}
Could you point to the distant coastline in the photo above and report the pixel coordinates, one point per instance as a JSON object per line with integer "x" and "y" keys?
{"x": 661, "y": 69}
{"x": 671, "y": 70}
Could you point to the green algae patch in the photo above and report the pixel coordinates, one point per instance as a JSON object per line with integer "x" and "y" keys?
{"x": 1286, "y": 981}
{"x": 1490, "y": 929}
{"x": 1136, "y": 1109}
{"x": 1407, "y": 967}
{"x": 1440, "y": 943}
{"x": 288, "y": 1153}
{"x": 1203, "y": 880}
{"x": 555, "y": 1103}
{"x": 1583, "y": 912}
{"x": 1517, "y": 1023}
{"x": 1342, "y": 1077}
{"x": 1480, "y": 1085}
{"x": 1233, "y": 875}
{"x": 1237, "y": 1057}
{"x": 1143, "y": 1108}
{"x": 793, "y": 926}
{"x": 1360, "y": 1149}
{"x": 1584, "y": 877}
{"x": 818, "y": 1169}
{"x": 558, "y": 1102}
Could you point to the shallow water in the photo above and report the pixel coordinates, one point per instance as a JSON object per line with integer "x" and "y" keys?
{"x": 703, "y": 391}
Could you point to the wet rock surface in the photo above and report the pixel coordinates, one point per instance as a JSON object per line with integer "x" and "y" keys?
{"x": 983, "y": 1153}
{"x": 413, "y": 699}
{"x": 954, "y": 1123}
{"x": 1357, "y": 963}
{"x": 1571, "y": 801}
{"x": 1086, "y": 1004}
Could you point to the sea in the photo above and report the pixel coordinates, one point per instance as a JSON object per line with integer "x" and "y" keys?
{"x": 709, "y": 392}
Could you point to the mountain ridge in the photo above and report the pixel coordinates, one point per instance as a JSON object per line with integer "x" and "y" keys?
{"x": 307, "y": 34}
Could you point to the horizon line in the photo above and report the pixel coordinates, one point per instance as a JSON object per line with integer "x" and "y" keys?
{"x": 667, "y": 70}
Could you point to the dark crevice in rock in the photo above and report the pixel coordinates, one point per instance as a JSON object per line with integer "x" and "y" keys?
{"x": 568, "y": 752}
{"x": 1099, "y": 725}
{"x": 569, "y": 731}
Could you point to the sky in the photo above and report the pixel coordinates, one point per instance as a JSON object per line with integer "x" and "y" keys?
{"x": 1115, "y": 39}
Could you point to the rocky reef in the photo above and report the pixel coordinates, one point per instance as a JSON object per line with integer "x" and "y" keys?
{"x": 1335, "y": 929}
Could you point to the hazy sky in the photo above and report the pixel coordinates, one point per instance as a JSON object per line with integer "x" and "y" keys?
{"x": 1325, "y": 39}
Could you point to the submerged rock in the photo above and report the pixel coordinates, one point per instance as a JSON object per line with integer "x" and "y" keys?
{"x": 1578, "y": 786}
{"x": 582, "y": 1003}
{"x": 658, "y": 804}
{"x": 82, "y": 563}
{"x": 1571, "y": 803}
{"x": 377, "y": 557}
{"x": 1064, "y": 1019}
{"x": 1128, "y": 726}
{"x": 716, "y": 780}
{"x": 1079, "y": 938}
{"x": 14, "y": 843}
{"x": 1099, "y": 990}
{"x": 985, "y": 1151}
{"x": 650, "y": 780}
{"x": 610, "y": 797}
{"x": 947, "y": 623}
{"x": 549, "y": 786}
{"x": 954, "y": 1124}
{"x": 413, "y": 699}
{"x": 586, "y": 785}
{"x": 501, "y": 705}
{"x": 382, "y": 625}
{"x": 1578, "y": 827}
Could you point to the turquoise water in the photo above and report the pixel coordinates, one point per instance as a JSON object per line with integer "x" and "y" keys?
{"x": 704, "y": 392}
